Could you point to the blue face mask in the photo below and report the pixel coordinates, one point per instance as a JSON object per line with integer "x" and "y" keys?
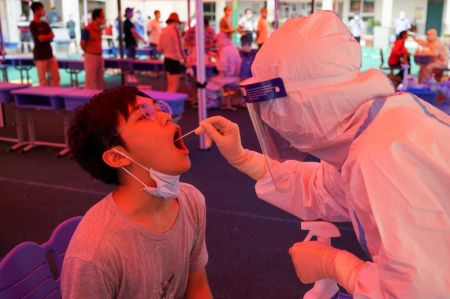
{"x": 167, "y": 186}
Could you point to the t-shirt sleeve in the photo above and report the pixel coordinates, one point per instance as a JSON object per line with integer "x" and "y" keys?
{"x": 241, "y": 22}
{"x": 34, "y": 31}
{"x": 82, "y": 279}
{"x": 199, "y": 253}
{"x": 85, "y": 34}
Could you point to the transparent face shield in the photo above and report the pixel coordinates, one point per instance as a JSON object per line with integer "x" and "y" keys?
{"x": 263, "y": 99}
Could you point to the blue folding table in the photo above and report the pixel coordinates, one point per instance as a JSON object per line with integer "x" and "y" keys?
{"x": 40, "y": 98}
{"x": 6, "y": 98}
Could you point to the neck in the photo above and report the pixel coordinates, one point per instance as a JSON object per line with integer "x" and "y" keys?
{"x": 36, "y": 18}
{"x": 134, "y": 202}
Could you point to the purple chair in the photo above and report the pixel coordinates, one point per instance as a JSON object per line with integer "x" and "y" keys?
{"x": 33, "y": 271}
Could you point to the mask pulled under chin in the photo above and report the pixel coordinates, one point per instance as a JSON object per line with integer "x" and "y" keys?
{"x": 167, "y": 186}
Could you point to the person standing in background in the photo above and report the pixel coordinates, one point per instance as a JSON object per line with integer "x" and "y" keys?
{"x": 53, "y": 17}
{"x": 108, "y": 34}
{"x": 24, "y": 33}
{"x": 70, "y": 25}
{"x": 170, "y": 47}
{"x": 154, "y": 30}
{"x": 356, "y": 27}
{"x": 91, "y": 43}
{"x": 402, "y": 23}
{"x": 262, "y": 29}
{"x": 246, "y": 27}
{"x": 225, "y": 23}
{"x": 42, "y": 34}
{"x": 139, "y": 23}
{"x": 131, "y": 40}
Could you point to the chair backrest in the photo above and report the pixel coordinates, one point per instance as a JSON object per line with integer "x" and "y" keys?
{"x": 33, "y": 271}
{"x": 381, "y": 58}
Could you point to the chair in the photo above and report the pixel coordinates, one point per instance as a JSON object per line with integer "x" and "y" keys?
{"x": 33, "y": 271}
{"x": 4, "y": 72}
{"x": 439, "y": 73}
{"x": 387, "y": 68}
{"x": 394, "y": 79}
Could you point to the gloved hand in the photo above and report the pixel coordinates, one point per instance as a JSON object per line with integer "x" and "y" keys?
{"x": 225, "y": 134}
{"x": 314, "y": 261}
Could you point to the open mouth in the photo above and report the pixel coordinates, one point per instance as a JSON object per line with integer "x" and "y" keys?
{"x": 179, "y": 144}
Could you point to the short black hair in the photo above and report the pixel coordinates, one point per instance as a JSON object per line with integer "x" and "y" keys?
{"x": 401, "y": 34}
{"x": 156, "y": 11}
{"x": 247, "y": 10}
{"x": 35, "y": 6}
{"x": 94, "y": 127}
{"x": 225, "y": 8}
{"x": 96, "y": 13}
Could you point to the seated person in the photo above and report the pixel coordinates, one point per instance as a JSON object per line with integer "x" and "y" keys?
{"x": 432, "y": 47}
{"x": 146, "y": 239}
{"x": 399, "y": 54}
{"x": 189, "y": 43}
{"x": 228, "y": 65}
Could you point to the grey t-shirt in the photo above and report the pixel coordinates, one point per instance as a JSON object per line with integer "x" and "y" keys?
{"x": 110, "y": 256}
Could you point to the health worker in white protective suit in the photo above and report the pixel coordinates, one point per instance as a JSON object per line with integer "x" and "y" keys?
{"x": 229, "y": 66}
{"x": 385, "y": 160}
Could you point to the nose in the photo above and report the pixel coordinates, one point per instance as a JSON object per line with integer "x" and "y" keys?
{"x": 164, "y": 118}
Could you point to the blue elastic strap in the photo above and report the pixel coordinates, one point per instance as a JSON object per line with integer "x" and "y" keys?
{"x": 373, "y": 112}
{"x": 428, "y": 112}
{"x": 361, "y": 236}
{"x": 264, "y": 91}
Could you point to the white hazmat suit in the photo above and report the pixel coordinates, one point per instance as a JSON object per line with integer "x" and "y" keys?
{"x": 229, "y": 66}
{"x": 385, "y": 162}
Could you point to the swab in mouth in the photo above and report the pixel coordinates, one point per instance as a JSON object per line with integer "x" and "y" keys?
{"x": 197, "y": 130}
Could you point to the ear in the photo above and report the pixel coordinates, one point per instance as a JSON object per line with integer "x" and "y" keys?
{"x": 115, "y": 159}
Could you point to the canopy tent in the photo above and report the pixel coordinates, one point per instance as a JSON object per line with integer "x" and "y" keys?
{"x": 200, "y": 66}
{"x": 200, "y": 50}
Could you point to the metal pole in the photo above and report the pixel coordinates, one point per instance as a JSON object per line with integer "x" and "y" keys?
{"x": 200, "y": 67}
{"x": 119, "y": 17}
{"x": 235, "y": 19}
{"x": 2, "y": 53}
{"x": 189, "y": 13}
{"x": 312, "y": 6}
{"x": 85, "y": 11}
{"x": 2, "y": 48}
{"x": 276, "y": 15}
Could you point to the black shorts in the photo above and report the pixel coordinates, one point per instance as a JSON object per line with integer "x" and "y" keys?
{"x": 171, "y": 66}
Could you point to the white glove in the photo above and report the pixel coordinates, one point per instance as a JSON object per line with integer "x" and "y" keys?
{"x": 225, "y": 134}
{"x": 314, "y": 261}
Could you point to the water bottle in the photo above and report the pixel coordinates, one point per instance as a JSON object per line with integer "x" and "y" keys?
{"x": 325, "y": 288}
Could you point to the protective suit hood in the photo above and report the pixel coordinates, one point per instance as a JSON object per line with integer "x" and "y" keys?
{"x": 324, "y": 88}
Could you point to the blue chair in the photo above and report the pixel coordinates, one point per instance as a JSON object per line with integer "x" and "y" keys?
{"x": 33, "y": 271}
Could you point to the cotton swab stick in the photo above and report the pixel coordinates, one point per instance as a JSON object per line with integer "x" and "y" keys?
{"x": 197, "y": 130}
